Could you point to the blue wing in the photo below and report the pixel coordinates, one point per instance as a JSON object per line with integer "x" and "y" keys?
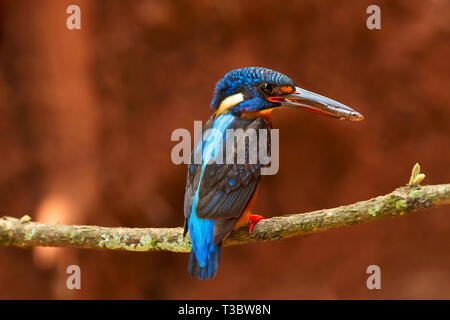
{"x": 216, "y": 195}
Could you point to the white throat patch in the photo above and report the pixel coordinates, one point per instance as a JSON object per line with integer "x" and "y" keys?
{"x": 230, "y": 102}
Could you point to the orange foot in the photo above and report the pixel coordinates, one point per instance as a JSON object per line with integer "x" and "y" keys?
{"x": 254, "y": 218}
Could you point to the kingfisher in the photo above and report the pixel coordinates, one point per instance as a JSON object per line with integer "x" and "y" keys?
{"x": 219, "y": 196}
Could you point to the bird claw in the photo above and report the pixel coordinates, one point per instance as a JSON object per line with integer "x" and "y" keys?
{"x": 254, "y": 218}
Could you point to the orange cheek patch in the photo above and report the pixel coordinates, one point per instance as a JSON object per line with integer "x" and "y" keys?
{"x": 286, "y": 89}
{"x": 265, "y": 113}
{"x": 258, "y": 114}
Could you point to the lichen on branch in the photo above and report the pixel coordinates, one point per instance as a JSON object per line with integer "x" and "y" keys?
{"x": 25, "y": 233}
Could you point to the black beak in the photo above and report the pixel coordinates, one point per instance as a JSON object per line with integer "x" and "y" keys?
{"x": 314, "y": 102}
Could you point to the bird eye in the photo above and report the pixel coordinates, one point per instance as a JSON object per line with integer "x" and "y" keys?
{"x": 267, "y": 88}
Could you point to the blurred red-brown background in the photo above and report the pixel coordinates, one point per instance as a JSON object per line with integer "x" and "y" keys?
{"x": 86, "y": 118}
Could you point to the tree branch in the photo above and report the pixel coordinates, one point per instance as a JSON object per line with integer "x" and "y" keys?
{"x": 24, "y": 233}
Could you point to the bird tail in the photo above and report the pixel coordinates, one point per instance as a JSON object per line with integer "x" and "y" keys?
{"x": 210, "y": 268}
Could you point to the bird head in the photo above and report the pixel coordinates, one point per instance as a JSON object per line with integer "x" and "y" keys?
{"x": 254, "y": 91}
